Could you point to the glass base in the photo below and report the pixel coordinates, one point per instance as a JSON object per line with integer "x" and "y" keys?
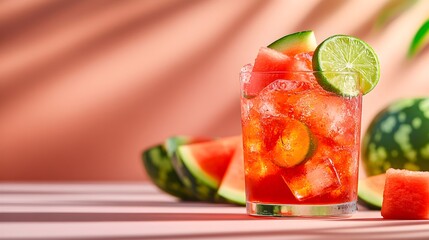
{"x": 297, "y": 210}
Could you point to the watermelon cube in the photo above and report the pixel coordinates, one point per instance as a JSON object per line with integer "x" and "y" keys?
{"x": 406, "y": 195}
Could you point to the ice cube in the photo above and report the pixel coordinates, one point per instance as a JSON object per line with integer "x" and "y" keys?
{"x": 344, "y": 118}
{"x": 280, "y": 96}
{"x": 282, "y": 86}
{"x": 314, "y": 178}
{"x": 257, "y": 167}
{"x": 245, "y": 76}
{"x": 246, "y": 68}
{"x": 252, "y": 130}
{"x": 303, "y": 61}
{"x": 331, "y": 116}
{"x": 246, "y": 106}
{"x": 267, "y": 109}
{"x": 287, "y": 86}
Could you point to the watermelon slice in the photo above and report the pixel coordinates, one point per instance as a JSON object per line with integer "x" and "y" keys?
{"x": 201, "y": 166}
{"x": 278, "y": 57}
{"x": 406, "y": 195}
{"x": 295, "y": 43}
{"x": 232, "y": 185}
{"x": 370, "y": 191}
{"x": 160, "y": 171}
{"x": 158, "y": 165}
{"x": 199, "y": 190}
{"x": 267, "y": 60}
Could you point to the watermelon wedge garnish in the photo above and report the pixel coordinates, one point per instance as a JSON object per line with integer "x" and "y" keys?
{"x": 267, "y": 60}
{"x": 278, "y": 57}
{"x": 295, "y": 43}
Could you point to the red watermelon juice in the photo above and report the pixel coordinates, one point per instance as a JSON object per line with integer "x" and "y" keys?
{"x": 300, "y": 142}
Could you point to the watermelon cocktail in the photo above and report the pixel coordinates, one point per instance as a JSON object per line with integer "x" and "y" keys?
{"x": 301, "y": 131}
{"x": 301, "y": 145}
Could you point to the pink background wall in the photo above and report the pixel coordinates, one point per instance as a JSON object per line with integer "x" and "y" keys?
{"x": 85, "y": 86}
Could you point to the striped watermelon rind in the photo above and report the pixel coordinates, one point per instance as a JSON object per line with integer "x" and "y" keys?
{"x": 196, "y": 176}
{"x": 189, "y": 160}
{"x": 398, "y": 137}
{"x": 198, "y": 188}
{"x": 161, "y": 172}
{"x": 158, "y": 162}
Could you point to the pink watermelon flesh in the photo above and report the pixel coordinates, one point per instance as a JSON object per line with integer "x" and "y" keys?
{"x": 209, "y": 160}
{"x": 267, "y": 60}
{"x": 406, "y": 195}
{"x": 280, "y": 65}
{"x": 232, "y": 185}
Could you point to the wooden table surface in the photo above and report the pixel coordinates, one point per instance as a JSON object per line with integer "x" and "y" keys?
{"x": 139, "y": 211}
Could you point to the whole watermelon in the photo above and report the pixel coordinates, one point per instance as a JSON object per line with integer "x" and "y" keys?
{"x": 398, "y": 137}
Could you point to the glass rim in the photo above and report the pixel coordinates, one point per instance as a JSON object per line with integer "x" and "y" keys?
{"x": 247, "y": 69}
{"x": 300, "y": 72}
{"x": 314, "y": 71}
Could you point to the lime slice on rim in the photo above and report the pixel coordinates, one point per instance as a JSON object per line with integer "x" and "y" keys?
{"x": 342, "y": 53}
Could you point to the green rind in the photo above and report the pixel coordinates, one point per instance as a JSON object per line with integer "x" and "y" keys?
{"x": 420, "y": 40}
{"x": 335, "y": 76}
{"x": 161, "y": 172}
{"x": 172, "y": 143}
{"x": 232, "y": 195}
{"x": 200, "y": 190}
{"x": 185, "y": 154}
{"x": 368, "y": 196}
{"x": 398, "y": 137}
{"x": 304, "y": 40}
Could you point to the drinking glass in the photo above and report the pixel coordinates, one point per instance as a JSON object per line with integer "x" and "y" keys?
{"x": 301, "y": 143}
